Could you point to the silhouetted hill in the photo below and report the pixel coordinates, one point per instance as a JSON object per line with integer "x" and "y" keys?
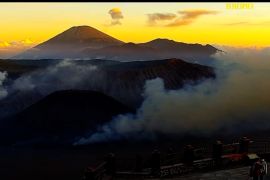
{"x": 13, "y": 69}
{"x": 63, "y": 115}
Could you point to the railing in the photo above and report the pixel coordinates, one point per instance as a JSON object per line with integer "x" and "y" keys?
{"x": 171, "y": 166}
{"x": 181, "y": 169}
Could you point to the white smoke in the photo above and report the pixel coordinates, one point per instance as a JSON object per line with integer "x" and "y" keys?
{"x": 3, "y": 90}
{"x": 61, "y": 75}
{"x": 238, "y": 99}
{"x": 64, "y": 75}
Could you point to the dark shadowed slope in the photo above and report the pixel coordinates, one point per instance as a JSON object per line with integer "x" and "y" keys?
{"x": 68, "y": 43}
{"x": 125, "y": 81}
{"x": 13, "y": 69}
{"x": 124, "y": 52}
{"x": 64, "y": 114}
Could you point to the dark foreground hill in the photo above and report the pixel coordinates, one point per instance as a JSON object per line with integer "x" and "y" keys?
{"x": 63, "y": 115}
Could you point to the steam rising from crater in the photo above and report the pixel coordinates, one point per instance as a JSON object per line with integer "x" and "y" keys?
{"x": 238, "y": 99}
{"x": 3, "y": 91}
{"x": 64, "y": 75}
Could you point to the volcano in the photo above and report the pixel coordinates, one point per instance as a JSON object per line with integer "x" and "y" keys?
{"x": 64, "y": 113}
{"x": 68, "y": 43}
{"x": 124, "y": 81}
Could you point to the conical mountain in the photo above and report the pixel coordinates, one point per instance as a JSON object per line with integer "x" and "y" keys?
{"x": 69, "y": 43}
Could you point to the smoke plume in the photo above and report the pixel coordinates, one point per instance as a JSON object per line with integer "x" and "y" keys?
{"x": 236, "y": 100}
{"x": 3, "y": 91}
{"x": 64, "y": 75}
{"x": 116, "y": 15}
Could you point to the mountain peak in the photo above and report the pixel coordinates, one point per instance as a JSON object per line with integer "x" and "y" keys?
{"x": 69, "y": 43}
{"x": 82, "y": 34}
{"x": 162, "y": 40}
{"x": 81, "y": 26}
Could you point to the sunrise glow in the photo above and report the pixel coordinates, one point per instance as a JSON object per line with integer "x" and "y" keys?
{"x": 26, "y": 24}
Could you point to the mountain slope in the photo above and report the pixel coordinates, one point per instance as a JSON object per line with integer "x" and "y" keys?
{"x": 68, "y": 43}
{"x": 65, "y": 113}
{"x": 80, "y": 37}
{"x": 126, "y": 81}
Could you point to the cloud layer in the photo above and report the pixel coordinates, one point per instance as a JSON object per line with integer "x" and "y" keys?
{"x": 155, "y": 17}
{"x": 189, "y": 16}
{"x": 185, "y": 17}
{"x": 8, "y": 49}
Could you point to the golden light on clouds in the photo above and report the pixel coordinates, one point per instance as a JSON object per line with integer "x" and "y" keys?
{"x": 116, "y": 15}
{"x": 184, "y": 17}
{"x": 189, "y": 16}
{"x": 8, "y": 49}
{"x": 4, "y": 44}
{"x": 154, "y": 18}
{"x": 27, "y": 41}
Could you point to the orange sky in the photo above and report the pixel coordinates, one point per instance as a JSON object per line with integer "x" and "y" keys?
{"x": 26, "y": 24}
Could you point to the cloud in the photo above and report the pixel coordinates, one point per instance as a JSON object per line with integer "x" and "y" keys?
{"x": 56, "y": 74}
{"x": 185, "y": 17}
{"x": 263, "y": 23}
{"x": 8, "y": 49}
{"x": 4, "y": 44}
{"x": 236, "y": 101}
{"x": 116, "y": 15}
{"x": 236, "y": 23}
{"x": 189, "y": 16}
{"x": 153, "y": 18}
{"x": 27, "y": 41}
{"x": 22, "y": 43}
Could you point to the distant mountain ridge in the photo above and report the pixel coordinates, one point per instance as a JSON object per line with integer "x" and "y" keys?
{"x": 82, "y": 42}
